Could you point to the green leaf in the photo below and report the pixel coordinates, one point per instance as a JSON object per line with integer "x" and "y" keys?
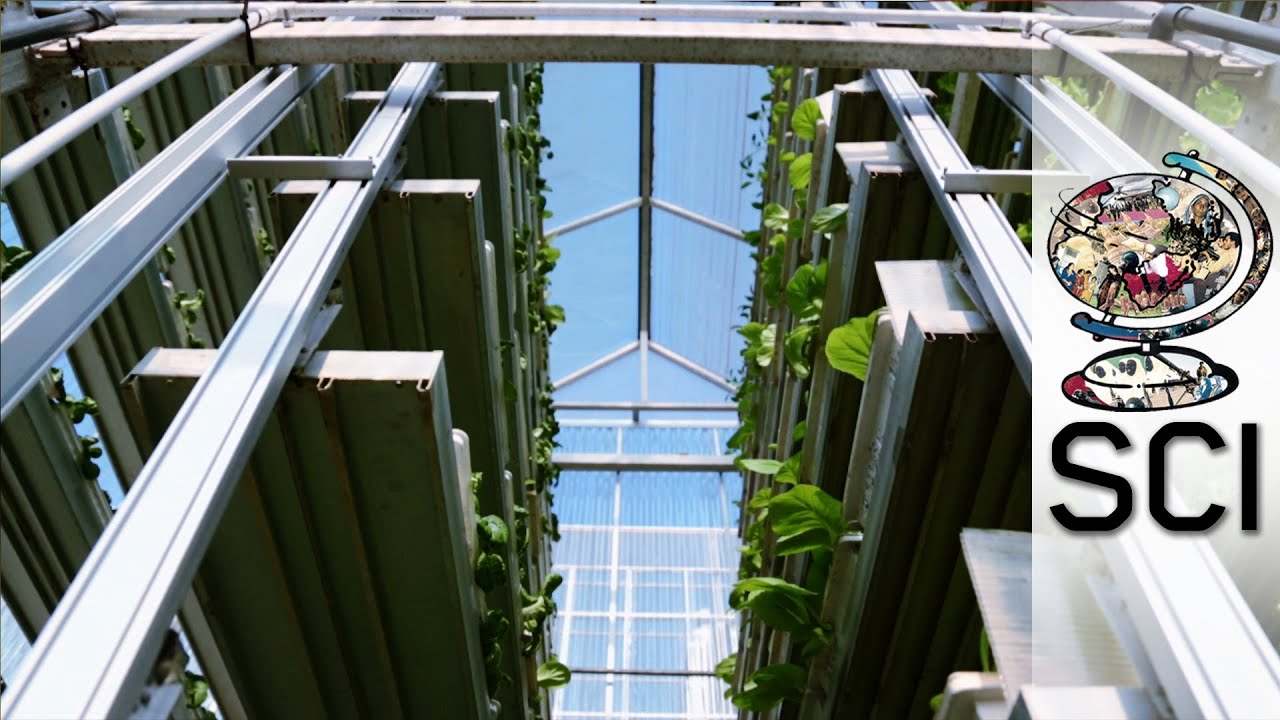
{"x": 492, "y": 532}
{"x": 805, "y": 291}
{"x": 787, "y": 157}
{"x": 795, "y": 347}
{"x": 804, "y": 121}
{"x": 849, "y": 346}
{"x": 491, "y": 572}
{"x": 725, "y": 668}
{"x": 805, "y": 518}
{"x": 770, "y": 685}
{"x": 776, "y": 216}
{"x": 798, "y": 171}
{"x": 778, "y": 603}
{"x": 762, "y": 466}
{"x": 553, "y": 674}
{"x": 830, "y": 218}
{"x": 797, "y": 433}
{"x": 760, "y": 501}
{"x": 789, "y": 474}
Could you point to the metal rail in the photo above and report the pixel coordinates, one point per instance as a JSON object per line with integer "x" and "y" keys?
{"x": 732, "y": 43}
{"x": 27, "y": 156}
{"x": 1004, "y": 20}
{"x": 51, "y": 301}
{"x": 133, "y": 582}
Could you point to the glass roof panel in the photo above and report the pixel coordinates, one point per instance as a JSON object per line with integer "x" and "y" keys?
{"x": 700, "y": 280}
{"x": 702, "y": 133}
{"x": 597, "y": 283}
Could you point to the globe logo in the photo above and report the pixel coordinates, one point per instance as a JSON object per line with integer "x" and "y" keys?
{"x": 1158, "y": 257}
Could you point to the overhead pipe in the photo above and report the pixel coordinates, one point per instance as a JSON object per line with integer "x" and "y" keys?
{"x": 86, "y": 18}
{"x": 648, "y": 11}
{"x": 1192, "y": 18}
{"x": 1244, "y": 159}
{"x": 21, "y": 160}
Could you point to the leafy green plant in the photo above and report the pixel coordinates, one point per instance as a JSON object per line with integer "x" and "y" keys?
{"x": 13, "y": 258}
{"x": 804, "y": 121}
{"x": 760, "y": 341}
{"x": 798, "y": 171}
{"x": 769, "y": 686}
{"x": 805, "y": 290}
{"x": 848, "y": 347}
{"x": 553, "y": 674}
{"x": 195, "y": 691}
{"x": 831, "y": 218}
{"x": 188, "y": 306}
{"x": 805, "y": 518}
{"x": 537, "y": 609}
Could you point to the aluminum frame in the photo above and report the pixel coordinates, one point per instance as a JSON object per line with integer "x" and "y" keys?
{"x": 51, "y": 301}
{"x": 137, "y": 575}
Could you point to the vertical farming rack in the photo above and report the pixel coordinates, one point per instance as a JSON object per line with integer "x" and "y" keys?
{"x": 292, "y": 251}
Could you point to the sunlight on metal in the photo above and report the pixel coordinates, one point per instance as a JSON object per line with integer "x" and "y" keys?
{"x": 28, "y": 155}
{"x": 645, "y": 406}
{"x": 1005, "y": 20}
{"x": 51, "y": 301}
{"x": 1246, "y": 161}
{"x": 134, "y": 580}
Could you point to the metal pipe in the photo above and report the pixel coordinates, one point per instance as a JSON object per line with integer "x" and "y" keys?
{"x": 55, "y": 27}
{"x": 1004, "y": 20}
{"x": 21, "y": 160}
{"x": 593, "y": 218}
{"x": 1244, "y": 160}
{"x": 694, "y": 217}
{"x": 1172, "y": 18}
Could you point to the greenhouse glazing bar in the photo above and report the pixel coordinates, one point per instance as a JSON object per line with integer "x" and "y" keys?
{"x": 133, "y": 582}
{"x": 1005, "y": 20}
{"x": 95, "y": 259}
{"x": 732, "y": 43}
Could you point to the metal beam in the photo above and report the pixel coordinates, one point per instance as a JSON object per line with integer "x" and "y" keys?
{"x": 594, "y": 217}
{"x": 596, "y": 365}
{"x": 1183, "y": 16}
{"x": 647, "y": 406}
{"x": 1245, "y": 161}
{"x": 992, "y": 182}
{"x": 108, "y": 627}
{"x": 694, "y": 217}
{"x": 674, "y": 11}
{"x": 997, "y": 258}
{"x": 505, "y": 41}
{"x": 646, "y": 214}
{"x": 39, "y": 148}
{"x": 51, "y": 301}
{"x": 692, "y": 366}
{"x": 301, "y": 167}
{"x": 644, "y": 463}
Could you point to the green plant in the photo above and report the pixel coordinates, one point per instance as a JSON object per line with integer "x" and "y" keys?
{"x": 849, "y": 346}
{"x": 13, "y": 258}
{"x": 553, "y": 674}
{"x": 195, "y": 691}
{"x": 188, "y": 306}
{"x": 770, "y": 685}
{"x": 537, "y": 609}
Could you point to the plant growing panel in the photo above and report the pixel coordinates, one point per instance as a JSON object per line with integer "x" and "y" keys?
{"x": 340, "y": 569}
